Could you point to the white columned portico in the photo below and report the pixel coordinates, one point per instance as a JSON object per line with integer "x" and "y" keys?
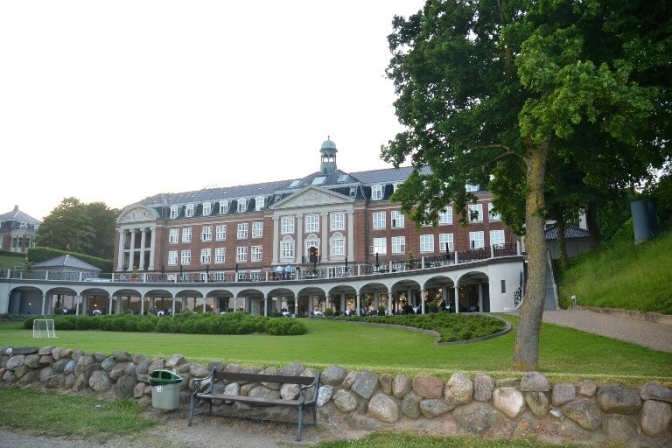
{"x": 457, "y": 297}
{"x": 131, "y": 252}
{"x": 299, "y": 239}
{"x": 152, "y": 248}
{"x": 324, "y": 237}
{"x": 143, "y": 241}
{"x": 350, "y": 236}
{"x": 120, "y": 252}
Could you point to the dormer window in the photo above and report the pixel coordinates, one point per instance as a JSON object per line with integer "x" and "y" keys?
{"x": 174, "y": 211}
{"x": 259, "y": 203}
{"x": 471, "y": 188}
{"x": 189, "y": 210}
{"x": 242, "y": 205}
{"x": 295, "y": 184}
{"x": 395, "y": 186}
{"x": 353, "y": 191}
{"x": 23, "y": 225}
{"x": 223, "y": 207}
{"x": 319, "y": 180}
{"x": 342, "y": 178}
{"x": 377, "y": 192}
{"x": 207, "y": 208}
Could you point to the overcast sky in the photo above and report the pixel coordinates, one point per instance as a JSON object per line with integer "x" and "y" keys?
{"x": 114, "y": 101}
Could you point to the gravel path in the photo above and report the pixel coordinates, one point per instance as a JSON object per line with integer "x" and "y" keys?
{"x": 231, "y": 433}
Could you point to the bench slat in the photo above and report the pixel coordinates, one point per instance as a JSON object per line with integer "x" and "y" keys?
{"x": 251, "y": 400}
{"x": 259, "y": 378}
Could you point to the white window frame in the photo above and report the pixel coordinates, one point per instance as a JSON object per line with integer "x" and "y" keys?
{"x": 287, "y": 248}
{"x": 475, "y": 208}
{"x": 242, "y": 205}
{"x": 257, "y": 229}
{"x": 174, "y": 236}
{"x": 398, "y": 219}
{"x": 259, "y": 203}
{"x": 241, "y": 254}
{"x": 379, "y": 220}
{"x": 446, "y": 238}
{"x": 287, "y": 225}
{"x": 312, "y": 241}
{"x": 337, "y": 246}
{"x": 220, "y": 234}
{"x": 206, "y": 256}
{"x": 337, "y": 221}
{"x": 379, "y": 246}
{"x": 242, "y": 231}
{"x": 477, "y": 240}
{"x": 186, "y": 234}
{"x": 427, "y": 243}
{"x": 398, "y": 245}
{"x": 497, "y": 238}
{"x": 189, "y": 210}
{"x": 172, "y": 258}
{"x": 256, "y": 253}
{"x": 312, "y": 223}
{"x": 223, "y": 207}
{"x": 220, "y": 255}
{"x": 174, "y": 211}
{"x": 376, "y": 192}
{"x": 471, "y": 188}
{"x": 185, "y": 256}
{"x": 207, "y": 208}
{"x": 206, "y": 233}
{"x": 492, "y": 215}
{"x": 446, "y": 216}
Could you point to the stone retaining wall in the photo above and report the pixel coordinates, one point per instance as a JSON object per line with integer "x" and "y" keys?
{"x": 587, "y": 413}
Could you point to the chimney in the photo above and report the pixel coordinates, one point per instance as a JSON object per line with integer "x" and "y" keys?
{"x": 16, "y": 208}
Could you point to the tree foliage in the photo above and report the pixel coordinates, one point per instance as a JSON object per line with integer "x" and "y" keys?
{"x": 77, "y": 227}
{"x": 508, "y": 88}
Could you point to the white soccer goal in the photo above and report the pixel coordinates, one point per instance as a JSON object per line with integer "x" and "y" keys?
{"x": 44, "y": 328}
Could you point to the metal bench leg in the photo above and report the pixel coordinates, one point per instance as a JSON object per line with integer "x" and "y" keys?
{"x": 298, "y": 433}
{"x": 191, "y": 410}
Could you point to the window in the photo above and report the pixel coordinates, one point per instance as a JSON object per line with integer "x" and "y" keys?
{"x": 497, "y": 238}
{"x": 476, "y": 240}
{"x": 446, "y": 238}
{"x": 312, "y": 241}
{"x": 337, "y": 246}
{"x": 172, "y": 258}
{"x": 174, "y": 211}
{"x": 471, "y": 188}
{"x": 376, "y": 192}
{"x": 223, "y": 207}
{"x": 397, "y": 219}
{"x": 23, "y": 225}
{"x": 257, "y": 253}
{"x": 337, "y": 221}
{"x": 189, "y": 210}
{"x": 207, "y": 208}
{"x": 287, "y": 248}
{"x": 206, "y": 233}
{"x": 494, "y": 216}
{"x": 319, "y": 180}
{"x": 426, "y": 243}
{"x": 475, "y": 212}
{"x": 206, "y": 256}
{"x": 380, "y": 246}
{"x": 287, "y": 225}
{"x": 186, "y": 235}
{"x": 221, "y": 232}
{"x": 312, "y": 223}
{"x": 295, "y": 183}
{"x": 174, "y": 236}
{"x": 446, "y": 216}
{"x": 259, "y": 203}
{"x": 395, "y": 186}
{"x": 353, "y": 191}
{"x": 186, "y": 256}
{"x": 241, "y": 254}
{"x": 342, "y": 178}
{"x": 398, "y": 244}
{"x": 242, "y": 231}
{"x": 379, "y": 220}
{"x": 257, "y": 229}
{"x": 242, "y": 205}
{"x": 220, "y": 255}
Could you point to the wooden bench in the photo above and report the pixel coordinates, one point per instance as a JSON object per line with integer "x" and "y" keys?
{"x": 204, "y": 389}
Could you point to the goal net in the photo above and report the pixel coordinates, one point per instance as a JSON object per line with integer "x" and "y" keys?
{"x": 44, "y": 328}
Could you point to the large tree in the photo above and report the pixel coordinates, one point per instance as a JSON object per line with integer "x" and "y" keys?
{"x": 81, "y": 228}
{"x": 486, "y": 84}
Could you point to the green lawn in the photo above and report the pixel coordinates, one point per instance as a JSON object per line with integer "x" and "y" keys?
{"x": 565, "y": 353}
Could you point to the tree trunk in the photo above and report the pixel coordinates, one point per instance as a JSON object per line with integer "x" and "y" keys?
{"x": 526, "y": 349}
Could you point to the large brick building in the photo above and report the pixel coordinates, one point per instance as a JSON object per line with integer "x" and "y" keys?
{"x": 17, "y": 231}
{"x": 327, "y": 219}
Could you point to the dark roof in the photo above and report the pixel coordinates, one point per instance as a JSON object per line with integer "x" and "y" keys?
{"x": 571, "y": 232}
{"x": 18, "y": 216}
{"x": 68, "y": 261}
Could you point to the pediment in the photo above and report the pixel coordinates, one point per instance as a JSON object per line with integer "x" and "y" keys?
{"x": 136, "y": 213}
{"x": 312, "y": 197}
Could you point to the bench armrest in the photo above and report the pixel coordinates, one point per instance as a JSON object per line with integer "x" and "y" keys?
{"x": 202, "y": 383}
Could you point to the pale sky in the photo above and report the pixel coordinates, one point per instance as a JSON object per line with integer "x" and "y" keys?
{"x": 114, "y": 101}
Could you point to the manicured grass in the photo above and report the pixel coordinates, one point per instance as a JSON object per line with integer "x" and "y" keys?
{"x": 565, "y": 353}
{"x": 626, "y": 276}
{"x": 68, "y": 415}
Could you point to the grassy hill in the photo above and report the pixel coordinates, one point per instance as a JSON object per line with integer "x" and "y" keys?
{"x": 625, "y": 275}
{"x": 10, "y": 260}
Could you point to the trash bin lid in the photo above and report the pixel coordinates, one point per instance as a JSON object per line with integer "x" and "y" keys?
{"x": 164, "y": 377}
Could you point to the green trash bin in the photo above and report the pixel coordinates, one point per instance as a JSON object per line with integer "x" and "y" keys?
{"x": 165, "y": 389}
